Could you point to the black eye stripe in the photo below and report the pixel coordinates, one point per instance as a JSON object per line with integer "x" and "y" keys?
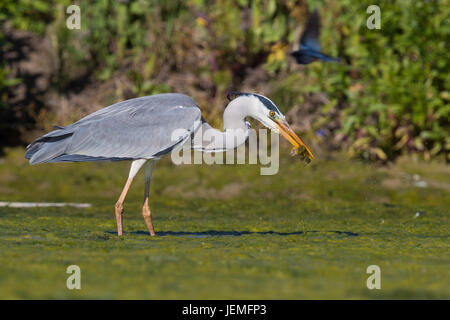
{"x": 266, "y": 102}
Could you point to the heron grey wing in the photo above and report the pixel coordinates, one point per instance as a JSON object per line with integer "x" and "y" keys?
{"x": 145, "y": 132}
{"x": 163, "y": 100}
{"x": 310, "y": 37}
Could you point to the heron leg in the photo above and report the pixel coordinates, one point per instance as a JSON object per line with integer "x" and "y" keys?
{"x": 135, "y": 166}
{"x": 146, "y": 213}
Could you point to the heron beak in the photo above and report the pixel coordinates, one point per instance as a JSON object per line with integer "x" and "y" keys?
{"x": 292, "y": 137}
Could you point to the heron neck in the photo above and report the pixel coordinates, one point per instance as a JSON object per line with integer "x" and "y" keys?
{"x": 235, "y": 131}
{"x": 235, "y": 113}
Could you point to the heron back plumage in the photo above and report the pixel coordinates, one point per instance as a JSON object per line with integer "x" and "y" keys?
{"x": 132, "y": 129}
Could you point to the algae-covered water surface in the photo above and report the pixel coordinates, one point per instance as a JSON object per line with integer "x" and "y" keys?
{"x": 226, "y": 232}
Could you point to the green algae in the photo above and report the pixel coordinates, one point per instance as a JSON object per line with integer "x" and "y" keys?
{"x": 225, "y": 232}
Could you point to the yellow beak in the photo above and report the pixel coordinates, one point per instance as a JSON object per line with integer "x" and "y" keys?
{"x": 291, "y": 136}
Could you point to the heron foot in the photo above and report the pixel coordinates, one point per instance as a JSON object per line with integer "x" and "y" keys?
{"x": 147, "y": 214}
{"x": 118, "y": 208}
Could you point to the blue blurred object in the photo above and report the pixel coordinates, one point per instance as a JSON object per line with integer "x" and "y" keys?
{"x": 310, "y": 49}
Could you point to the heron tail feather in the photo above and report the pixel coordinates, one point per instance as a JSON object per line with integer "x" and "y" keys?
{"x": 48, "y": 147}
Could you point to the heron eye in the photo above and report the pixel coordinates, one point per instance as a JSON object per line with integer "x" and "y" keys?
{"x": 272, "y": 114}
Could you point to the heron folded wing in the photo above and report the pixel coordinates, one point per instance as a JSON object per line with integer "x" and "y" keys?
{"x": 143, "y": 133}
{"x": 132, "y": 129}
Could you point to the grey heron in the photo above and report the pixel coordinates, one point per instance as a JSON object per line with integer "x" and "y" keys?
{"x": 141, "y": 130}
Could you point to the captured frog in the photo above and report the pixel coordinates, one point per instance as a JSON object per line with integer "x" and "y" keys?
{"x": 303, "y": 153}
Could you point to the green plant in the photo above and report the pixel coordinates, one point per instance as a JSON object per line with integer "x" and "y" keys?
{"x": 390, "y": 95}
{"x": 393, "y": 93}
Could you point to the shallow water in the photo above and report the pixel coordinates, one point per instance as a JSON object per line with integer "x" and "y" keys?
{"x": 227, "y": 232}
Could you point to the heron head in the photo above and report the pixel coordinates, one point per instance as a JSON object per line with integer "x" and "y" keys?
{"x": 266, "y": 112}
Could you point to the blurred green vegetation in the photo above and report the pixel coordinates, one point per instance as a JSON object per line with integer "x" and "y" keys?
{"x": 389, "y": 96}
